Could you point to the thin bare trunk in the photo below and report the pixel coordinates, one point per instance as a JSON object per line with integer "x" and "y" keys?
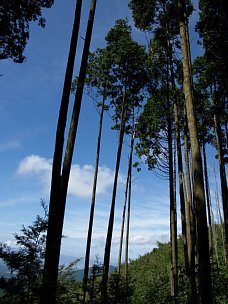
{"x": 173, "y": 208}
{"x": 223, "y": 180}
{"x": 112, "y": 209}
{"x": 198, "y": 185}
{"x": 57, "y": 205}
{"x": 122, "y": 224}
{"x": 90, "y": 229}
{"x": 220, "y": 217}
{"x": 185, "y": 225}
{"x": 214, "y": 235}
{"x": 126, "y": 199}
{"x": 128, "y": 223}
{"x": 207, "y": 195}
{"x": 51, "y": 261}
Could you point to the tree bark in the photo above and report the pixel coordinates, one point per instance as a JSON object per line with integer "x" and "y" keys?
{"x": 89, "y": 236}
{"x": 198, "y": 184}
{"x": 126, "y": 199}
{"x": 112, "y": 209}
{"x": 58, "y": 201}
{"x": 207, "y": 190}
{"x": 173, "y": 208}
{"x": 223, "y": 180}
{"x": 128, "y": 223}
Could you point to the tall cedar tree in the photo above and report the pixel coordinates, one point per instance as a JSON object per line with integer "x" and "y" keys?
{"x": 96, "y": 78}
{"x": 197, "y": 169}
{"x": 162, "y": 18}
{"x": 213, "y": 29}
{"x": 128, "y": 68}
{"x": 60, "y": 184}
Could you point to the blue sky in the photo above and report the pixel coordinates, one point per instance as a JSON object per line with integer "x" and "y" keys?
{"x": 30, "y": 98}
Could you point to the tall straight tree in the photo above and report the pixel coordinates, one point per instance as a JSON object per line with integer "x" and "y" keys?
{"x": 97, "y": 77}
{"x": 60, "y": 178}
{"x": 213, "y": 29}
{"x": 90, "y": 229}
{"x": 127, "y": 201}
{"x": 129, "y": 75}
{"x": 112, "y": 209}
{"x": 198, "y": 183}
{"x": 161, "y": 17}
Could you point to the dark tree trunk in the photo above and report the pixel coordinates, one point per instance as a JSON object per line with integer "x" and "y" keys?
{"x": 126, "y": 196}
{"x": 220, "y": 217}
{"x": 89, "y": 236}
{"x": 112, "y": 209}
{"x": 190, "y": 214}
{"x": 51, "y": 268}
{"x": 185, "y": 206}
{"x": 128, "y": 223}
{"x": 207, "y": 190}
{"x": 58, "y": 201}
{"x": 198, "y": 183}
{"x": 173, "y": 208}
{"x": 222, "y": 170}
{"x": 180, "y": 166}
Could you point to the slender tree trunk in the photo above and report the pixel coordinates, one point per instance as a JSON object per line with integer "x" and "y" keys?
{"x": 93, "y": 277}
{"x": 185, "y": 225}
{"x": 214, "y": 235}
{"x": 222, "y": 170}
{"x": 128, "y": 226}
{"x": 173, "y": 210}
{"x": 220, "y": 217}
{"x": 198, "y": 185}
{"x": 125, "y": 197}
{"x": 186, "y": 218}
{"x": 89, "y": 236}
{"x": 123, "y": 222}
{"x": 57, "y": 209}
{"x": 190, "y": 212}
{"x": 51, "y": 262}
{"x": 112, "y": 209}
{"x": 124, "y": 212}
{"x": 207, "y": 195}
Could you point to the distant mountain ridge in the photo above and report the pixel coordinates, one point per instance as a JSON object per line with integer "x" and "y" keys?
{"x": 4, "y": 272}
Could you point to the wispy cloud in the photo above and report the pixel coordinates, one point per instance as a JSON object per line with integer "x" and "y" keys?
{"x": 9, "y": 145}
{"x": 81, "y": 177}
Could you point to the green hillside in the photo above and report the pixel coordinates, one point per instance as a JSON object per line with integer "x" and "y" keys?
{"x": 150, "y": 281}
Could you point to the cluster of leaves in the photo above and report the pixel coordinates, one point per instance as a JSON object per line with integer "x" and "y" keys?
{"x": 15, "y": 17}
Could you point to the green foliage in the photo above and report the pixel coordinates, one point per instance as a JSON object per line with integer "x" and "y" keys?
{"x": 16, "y": 16}
{"x": 206, "y": 89}
{"x": 213, "y": 29}
{"x": 150, "y": 281}
{"x": 68, "y": 288}
{"x": 143, "y": 13}
{"x": 119, "y": 291}
{"x": 25, "y": 263}
{"x": 152, "y": 132}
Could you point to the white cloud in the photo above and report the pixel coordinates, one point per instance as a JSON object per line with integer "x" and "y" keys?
{"x": 81, "y": 177}
{"x": 34, "y": 164}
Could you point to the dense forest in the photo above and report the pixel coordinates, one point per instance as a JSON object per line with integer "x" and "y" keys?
{"x": 171, "y": 109}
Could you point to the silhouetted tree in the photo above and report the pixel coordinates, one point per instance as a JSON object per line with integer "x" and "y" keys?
{"x": 15, "y": 19}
